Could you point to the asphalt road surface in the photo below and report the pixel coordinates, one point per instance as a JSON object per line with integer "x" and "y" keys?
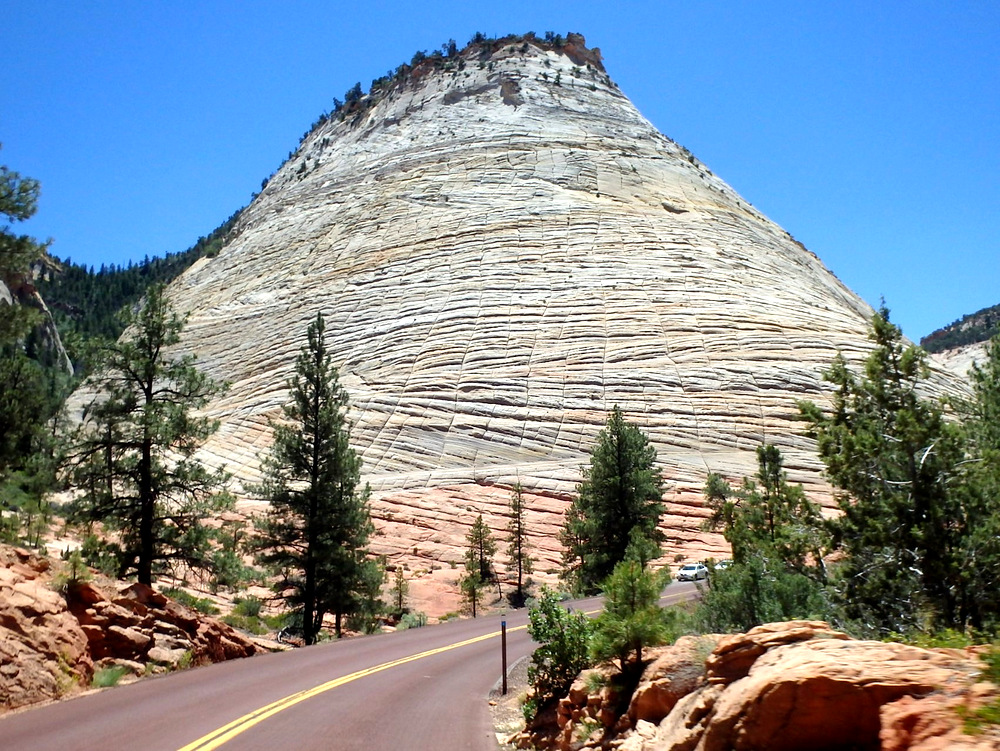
{"x": 421, "y": 689}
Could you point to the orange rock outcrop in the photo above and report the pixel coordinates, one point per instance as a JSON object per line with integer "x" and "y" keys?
{"x": 788, "y": 686}
{"x": 52, "y": 641}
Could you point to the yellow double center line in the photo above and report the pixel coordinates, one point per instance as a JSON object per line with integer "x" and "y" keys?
{"x": 226, "y": 733}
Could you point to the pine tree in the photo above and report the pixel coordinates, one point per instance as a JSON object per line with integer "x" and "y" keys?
{"x": 482, "y": 548}
{"x": 399, "y": 591}
{"x": 134, "y": 454}
{"x": 777, "y": 539}
{"x": 18, "y": 202}
{"x": 893, "y": 459}
{"x": 32, "y": 387}
{"x": 517, "y": 551}
{"x": 622, "y": 490}
{"x": 317, "y": 529}
{"x": 632, "y": 617}
{"x": 471, "y": 585}
{"x": 979, "y": 558}
{"x": 766, "y": 516}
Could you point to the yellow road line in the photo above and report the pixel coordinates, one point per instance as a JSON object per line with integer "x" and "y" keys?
{"x": 226, "y": 733}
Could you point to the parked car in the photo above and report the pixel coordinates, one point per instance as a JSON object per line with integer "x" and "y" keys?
{"x": 692, "y": 572}
{"x": 723, "y": 565}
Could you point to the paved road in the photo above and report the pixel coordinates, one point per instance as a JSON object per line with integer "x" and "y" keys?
{"x": 418, "y": 689}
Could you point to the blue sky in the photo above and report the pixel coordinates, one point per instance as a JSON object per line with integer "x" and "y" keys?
{"x": 870, "y": 131}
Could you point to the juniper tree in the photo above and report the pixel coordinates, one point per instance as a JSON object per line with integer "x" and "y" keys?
{"x": 316, "y": 532}
{"x": 621, "y": 491}
{"x": 135, "y": 450}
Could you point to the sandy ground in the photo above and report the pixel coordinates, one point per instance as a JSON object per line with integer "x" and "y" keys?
{"x": 506, "y": 710}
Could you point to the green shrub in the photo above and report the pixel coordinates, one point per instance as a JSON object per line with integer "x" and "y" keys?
{"x": 101, "y": 555}
{"x": 183, "y": 597}
{"x": 250, "y": 624}
{"x": 75, "y": 573}
{"x": 759, "y": 591}
{"x": 412, "y": 620}
{"x": 975, "y": 721}
{"x": 248, "y": 606}
{"x": 947, "y": 638}
{"x": 109, "y": 676}
{"x": 563, "y": 642}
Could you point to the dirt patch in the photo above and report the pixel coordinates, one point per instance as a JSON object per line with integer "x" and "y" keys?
{"x": 506, "y": 710}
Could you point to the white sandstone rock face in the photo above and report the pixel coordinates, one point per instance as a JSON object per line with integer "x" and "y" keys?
{"x": 961, "y": 359}
{"x": 501, "y": 259}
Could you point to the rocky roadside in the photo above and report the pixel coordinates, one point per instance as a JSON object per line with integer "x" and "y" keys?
{"x": 778, "y": 687}
{"x": 58, "y": 633}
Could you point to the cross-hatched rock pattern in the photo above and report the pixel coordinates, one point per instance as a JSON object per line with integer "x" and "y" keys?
{"x": 504, "y": 249}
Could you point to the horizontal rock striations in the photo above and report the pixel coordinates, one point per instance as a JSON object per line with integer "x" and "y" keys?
{"x": 505, "y": 249}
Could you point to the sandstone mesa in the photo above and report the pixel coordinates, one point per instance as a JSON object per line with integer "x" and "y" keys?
{"x": 504, "y": 249}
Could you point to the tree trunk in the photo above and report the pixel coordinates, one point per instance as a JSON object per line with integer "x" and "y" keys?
{"x": 147, "y": 510}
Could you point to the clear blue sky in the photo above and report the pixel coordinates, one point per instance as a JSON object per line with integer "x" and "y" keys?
{"x": 869, "y": 130}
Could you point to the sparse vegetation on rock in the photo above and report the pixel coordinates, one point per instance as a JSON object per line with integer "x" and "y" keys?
{"x": 64, "y": 628}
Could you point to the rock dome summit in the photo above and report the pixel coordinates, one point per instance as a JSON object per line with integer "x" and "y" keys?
{"x": 504, "y": 249}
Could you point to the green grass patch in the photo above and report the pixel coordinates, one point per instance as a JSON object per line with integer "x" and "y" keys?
{"x": 109, "y": 676}
{"x": 201, "y": 604}
{"x": 975, "y": 721}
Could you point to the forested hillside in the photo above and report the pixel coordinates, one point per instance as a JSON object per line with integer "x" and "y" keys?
{"x": 85, "y": 301}
{"x": 970, "y": 329}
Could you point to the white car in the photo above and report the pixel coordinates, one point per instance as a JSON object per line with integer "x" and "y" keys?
{"x": 692, "y": 572}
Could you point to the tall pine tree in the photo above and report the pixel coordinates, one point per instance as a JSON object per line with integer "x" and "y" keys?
{"x": 894, "y": 460}
{"x": 316, "y": 532}
{"x": 621, "y": 491}
{"x": 517, "y": 549}
{"x": 978, "y": 564}
{"x": 134, "y": 454}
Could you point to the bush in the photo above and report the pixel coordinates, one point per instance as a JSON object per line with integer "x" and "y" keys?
{"x": 411, "y": 620}
{"x": 109, "y": 676}
{"x": 73, "y": 575}
{"x": 563, "y": 643}
{"x": 183, "y": 597}
{"x": 248, "y": 606}
{"x": 759, "y": 591}
{"x": 101, "y": 555}
{"x": 977, "y": 720}
{"x": 250, "y": 624}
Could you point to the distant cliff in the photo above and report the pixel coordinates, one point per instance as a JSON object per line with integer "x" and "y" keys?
{"x": 970, "y": 329}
